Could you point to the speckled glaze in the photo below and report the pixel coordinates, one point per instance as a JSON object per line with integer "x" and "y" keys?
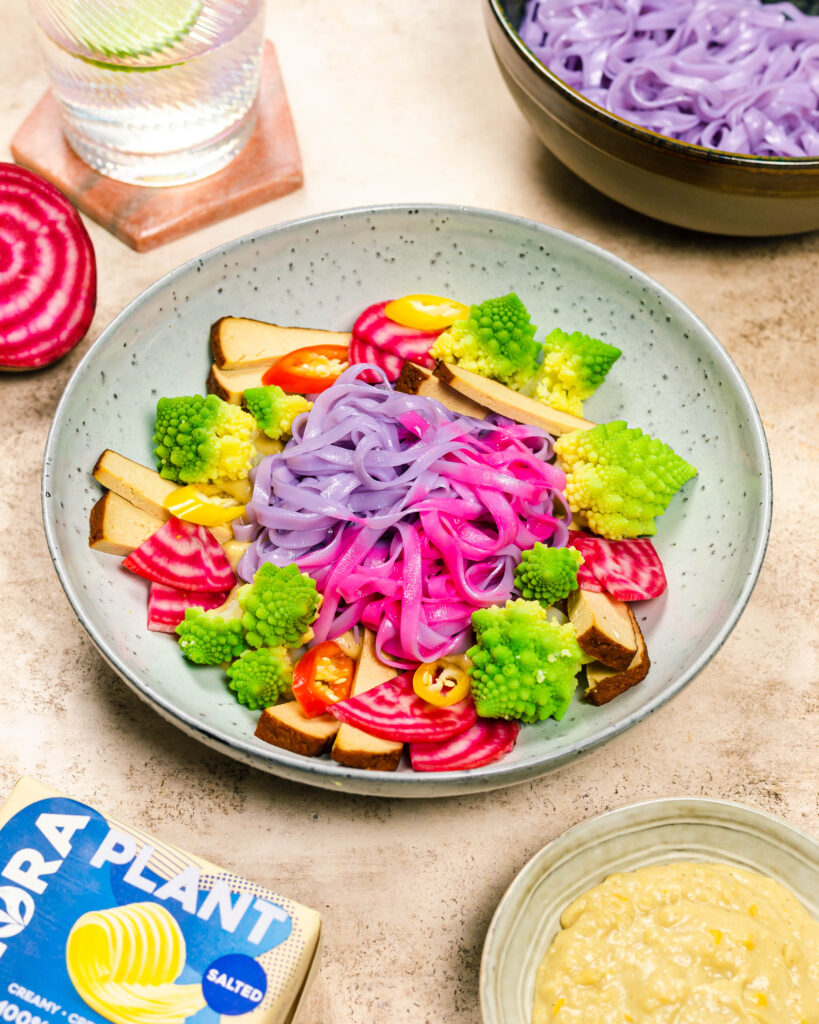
{"x": 692, "y": 186}
{"x": 674, "y": 380}
{"x": 655, "y": 832}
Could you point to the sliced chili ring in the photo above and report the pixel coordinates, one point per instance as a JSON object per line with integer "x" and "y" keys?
{"x": 307, "y": 371}
{"x": 441, "y": 683}
{"x": 425, "y": 312}
{"x": 321, "y": 677}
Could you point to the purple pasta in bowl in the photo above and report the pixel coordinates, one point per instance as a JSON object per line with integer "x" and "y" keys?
{"x": 702, "y": 113}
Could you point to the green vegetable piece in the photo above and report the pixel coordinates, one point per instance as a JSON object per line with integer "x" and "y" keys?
{"x": 618, "y": 478}
{"x": 202, "y": 439}
{"x": 278, "y": 606}
{"x": 573, "y": 367}
{"x": 524, "y": 665}
{"x": 496, "y": 339}
{"x": 273, "y": 410}
{"x": 260, "y": 677}
{"x": 207, "y": 638}
{"x": 547, "y": 574}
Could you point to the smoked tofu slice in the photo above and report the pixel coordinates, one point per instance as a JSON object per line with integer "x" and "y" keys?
{"x": 118, "y": 527}
{"x": 143, "y": 487}
{"x": 287, "y": 726}
{"x": 415, "y": 380}
{"x": 507, "y": 402}
{"x": 603, "y": 626}
{"x": 239, "y": 343}
{"x": 230, "y": 385}
{"x": 354, "y": 748}
{"x": 604, "y": 684}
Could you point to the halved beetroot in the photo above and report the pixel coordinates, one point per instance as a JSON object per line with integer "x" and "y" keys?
{"x": 48, "y": 275}
{"x": 167, "y": 605}
{"x": 183, "y": 555}
{"x": 393, "y": 711}
{"x": 629, "y": 570}
{"x": 488, "y": 740}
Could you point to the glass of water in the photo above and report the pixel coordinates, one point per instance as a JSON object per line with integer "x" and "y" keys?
{"x": 154, "y": 92}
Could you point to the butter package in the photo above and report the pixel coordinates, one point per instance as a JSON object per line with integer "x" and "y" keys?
{"x": 100, "y": 922}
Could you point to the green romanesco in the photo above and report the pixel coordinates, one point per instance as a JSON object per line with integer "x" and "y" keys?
{"x": 278, "y": 606}
{"x": 573, "y": 367}
{"x": 524, "y": 665}
{"x": 547, "y": 574}
{"x": 618, "y": 479}
{"x": 200, "y": 439}
{"x": 273, "y": 410}
{"x": 496, "y": 339}
{"x": 260, "y": 677}
{"x": 209, "y": 638}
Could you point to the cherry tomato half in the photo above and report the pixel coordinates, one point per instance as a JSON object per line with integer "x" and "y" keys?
{"x": 322, "y": 676}
{"x": 425, "y": 312}
{"x": 309, "y": 370}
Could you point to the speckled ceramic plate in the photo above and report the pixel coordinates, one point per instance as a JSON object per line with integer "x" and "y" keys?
{"x": 674, "y": 380}
{"x": 656, "y": 832}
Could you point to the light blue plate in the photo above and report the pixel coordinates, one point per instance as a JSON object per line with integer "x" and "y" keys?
{"x": 674, "y": 380}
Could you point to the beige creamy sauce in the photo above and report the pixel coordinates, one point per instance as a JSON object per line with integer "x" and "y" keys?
{"x": 682, "y": 944}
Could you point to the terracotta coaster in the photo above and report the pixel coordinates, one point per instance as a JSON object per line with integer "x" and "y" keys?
{"x": 268, "y": 167}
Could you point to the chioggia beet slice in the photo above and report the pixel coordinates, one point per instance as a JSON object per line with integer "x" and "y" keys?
{"x": 392, "y": 711}
{"x": 629, "y": 570}
{"x": 48, "y": 276}
{"x": 167, "y": 605}
{"x": 408, "y": 343}
{"x": 183, "y": 555}
{"x": 365, "y": 352}
{"x": 487, "y": 741}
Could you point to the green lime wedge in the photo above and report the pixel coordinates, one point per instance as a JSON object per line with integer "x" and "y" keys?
{"x": 138, "y": 29}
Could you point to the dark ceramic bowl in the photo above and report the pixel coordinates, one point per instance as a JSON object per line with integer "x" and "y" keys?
{"x": 678, "y": 182}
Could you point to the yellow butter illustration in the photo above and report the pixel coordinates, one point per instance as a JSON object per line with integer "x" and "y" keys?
{"x": 124, "y": 962}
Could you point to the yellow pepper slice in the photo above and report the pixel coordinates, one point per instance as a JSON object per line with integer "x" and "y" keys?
{"x": 442, "y": 683}
{"x": 192, "y": 505}
{"x": 425, "y": 312}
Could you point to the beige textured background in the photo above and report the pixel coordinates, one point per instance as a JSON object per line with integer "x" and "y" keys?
{"x": 402, "y": 101}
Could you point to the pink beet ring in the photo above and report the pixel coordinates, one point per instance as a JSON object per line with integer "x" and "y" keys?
{"x": 48, "y": 273}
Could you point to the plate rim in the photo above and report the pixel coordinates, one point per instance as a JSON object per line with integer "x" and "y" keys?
{"x": 654, "y": 809}
{"x": 329, "y": 774}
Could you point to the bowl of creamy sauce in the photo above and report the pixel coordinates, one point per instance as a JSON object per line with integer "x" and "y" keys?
{"x": 666, "y": 912}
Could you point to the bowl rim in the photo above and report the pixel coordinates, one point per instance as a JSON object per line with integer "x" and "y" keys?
{"x": 689, "y": 149}
{"x": 332, "y": 774}
{"x": 647, "y": 811}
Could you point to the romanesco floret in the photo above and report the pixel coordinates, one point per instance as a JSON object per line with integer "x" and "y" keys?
{"x": 547, "y": 574}
{"x": 278, "y": 606}
{"x": 496, "y": 339}
{"x": 273, "y": 410}
{"x": 573, "y": 367}
{"x": 618, "y": 479}
{"x": 208, "y": 638}
{"x": 523, "y": 664}
{"x": 260, "y": 677}
{"x": 200, "y": 439}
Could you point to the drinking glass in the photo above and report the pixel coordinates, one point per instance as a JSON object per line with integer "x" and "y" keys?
{"x": 154, "y": 92}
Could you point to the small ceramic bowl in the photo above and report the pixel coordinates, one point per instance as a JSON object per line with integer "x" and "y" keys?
{"x": 678, "y": 182}
{"x": 674, "y": 380}
{"x": 655, "y": 832}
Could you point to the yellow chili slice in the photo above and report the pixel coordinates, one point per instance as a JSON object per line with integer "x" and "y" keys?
{"x": 441, "y": 682}
{"x": 192, "y": 505}
{"x": 425, "y": 312}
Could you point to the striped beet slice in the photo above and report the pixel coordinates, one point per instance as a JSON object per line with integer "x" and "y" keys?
{"x": 363, "y": 352}
{"x": 629, "y": 570}
{"x": 183, "y": 555}
{"x": 376, "y": 328}
{"x": 487, "y": 741}
{"x": 167, "y": 605}
{"x": 48, "y": 277}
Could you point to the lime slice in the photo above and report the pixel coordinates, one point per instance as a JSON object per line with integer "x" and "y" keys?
{"x": 136, "y": 29}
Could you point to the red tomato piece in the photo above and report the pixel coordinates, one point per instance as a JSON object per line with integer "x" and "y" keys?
{"x": 322, "y": 677}
{"x": 393, "y": 711}
{"x": 488, "y": 740}
{"x": 307, "y": 371}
